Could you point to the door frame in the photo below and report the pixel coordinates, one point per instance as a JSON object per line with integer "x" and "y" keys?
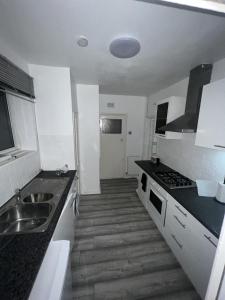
{"x": 76, "y": 148}
{"x": 124, "y": 116}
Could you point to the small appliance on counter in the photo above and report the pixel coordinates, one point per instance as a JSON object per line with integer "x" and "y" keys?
{"x": 155, "y": 160}
{"x": 206, "y": 188}
{"x": 211, "y": 188}
{"x": 220, "y": 194}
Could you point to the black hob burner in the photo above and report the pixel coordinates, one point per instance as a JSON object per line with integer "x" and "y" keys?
{"x": 174, "y": 180}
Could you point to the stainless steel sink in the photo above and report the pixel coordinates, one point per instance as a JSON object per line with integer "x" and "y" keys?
{"x": 33, "y": 208}
{"x": 23, "y": 218}
{"x": 38, "y": 197}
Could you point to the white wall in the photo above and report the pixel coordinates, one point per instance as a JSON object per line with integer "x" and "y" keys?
{"x": 54, "y": 116}
{"x": 182, "y": 155}
{"x": 134, "y": 108}
{"x": 17, "y": 173}
{"x": 89, "y": 137}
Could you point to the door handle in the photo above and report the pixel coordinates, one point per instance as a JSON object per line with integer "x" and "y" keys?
{"x": 176, "y": 218}
{"x": 75, "y": 205}
{"x": 74, "y": 196}
{"x": 179, "y": 244}
{"x": 209, "y": 239}
{"x": 180, "y": 210}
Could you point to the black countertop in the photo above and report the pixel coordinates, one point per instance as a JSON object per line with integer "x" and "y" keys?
{"x": 21, "y": 255}
{"x": 206, "y": 210}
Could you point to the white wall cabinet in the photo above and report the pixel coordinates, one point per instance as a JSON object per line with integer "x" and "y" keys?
{"x": 176, "y": 108}
{"x": 193, "y": 245}
{"x": 211, "y": 123}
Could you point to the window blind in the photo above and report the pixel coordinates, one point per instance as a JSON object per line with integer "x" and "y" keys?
{"x": 6, "y": 136}
{"x": 15, "y": 79}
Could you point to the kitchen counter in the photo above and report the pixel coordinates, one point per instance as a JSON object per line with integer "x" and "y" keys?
{"x": 206, "y": 210}
{"x": 21, "y": 255}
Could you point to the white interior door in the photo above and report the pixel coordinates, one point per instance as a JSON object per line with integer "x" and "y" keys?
{"x": 113, "y": 146}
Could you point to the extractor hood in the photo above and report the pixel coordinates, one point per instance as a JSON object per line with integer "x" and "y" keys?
{"x": 188, "y": 122}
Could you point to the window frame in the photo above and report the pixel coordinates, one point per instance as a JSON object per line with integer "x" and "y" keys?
{"x": 7, "y": 151}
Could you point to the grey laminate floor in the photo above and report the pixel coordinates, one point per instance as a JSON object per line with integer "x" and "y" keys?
{"x": 119, "y": 254}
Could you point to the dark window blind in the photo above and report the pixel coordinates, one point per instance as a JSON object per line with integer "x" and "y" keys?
{"x": 15, "y": 79}
{"x": 6, "y": 136}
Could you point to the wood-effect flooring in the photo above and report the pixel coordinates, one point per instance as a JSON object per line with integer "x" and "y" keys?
{"x": 119, "y": 254}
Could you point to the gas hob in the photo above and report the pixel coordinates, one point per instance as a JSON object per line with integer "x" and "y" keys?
{"x": 174, "y": 180}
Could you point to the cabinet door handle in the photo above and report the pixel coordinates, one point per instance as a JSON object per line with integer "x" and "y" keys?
{"x": 74, "y": 196}
{"x": 219, "y": 146}
{"x": 210, "y": 240}
{"x": 177, "y": 207}
{"x": 176, "y": 218}
{"x": 179, "y": 244}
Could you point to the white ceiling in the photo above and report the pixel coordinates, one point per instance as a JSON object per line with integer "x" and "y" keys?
{"x": 172, "y": 40}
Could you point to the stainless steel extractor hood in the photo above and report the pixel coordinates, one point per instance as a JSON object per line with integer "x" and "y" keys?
{"x": 199, "y": 76}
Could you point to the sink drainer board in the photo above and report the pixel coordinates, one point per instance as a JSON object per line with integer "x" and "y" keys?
{"x": 38, "y": 197}
{"x": 33, "y": 213}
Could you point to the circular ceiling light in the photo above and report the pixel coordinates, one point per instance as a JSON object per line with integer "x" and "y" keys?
{"x": 125, "y": 47}
{"x": 82, "y": 41}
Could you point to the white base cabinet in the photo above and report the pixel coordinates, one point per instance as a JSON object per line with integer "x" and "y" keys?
{"x": 193, "y": 245}
{"x": 65, "y": 228}
{"x": 54, "y": 279}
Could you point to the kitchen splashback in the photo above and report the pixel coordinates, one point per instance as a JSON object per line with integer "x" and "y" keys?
{"x": 190, "y": 160}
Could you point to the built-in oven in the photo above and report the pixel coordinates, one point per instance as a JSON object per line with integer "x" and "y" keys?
{"x": 157, "y": 205}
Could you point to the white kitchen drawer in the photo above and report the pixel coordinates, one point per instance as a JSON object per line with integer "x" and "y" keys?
{"x": 176, "y": 242}
{"x": 175, "y": 231}
{"x": 202, "y": 249}
{"x": 176, "y": 220}
{"x": 193, "y": 245}
{"x": 178, "y": 209}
